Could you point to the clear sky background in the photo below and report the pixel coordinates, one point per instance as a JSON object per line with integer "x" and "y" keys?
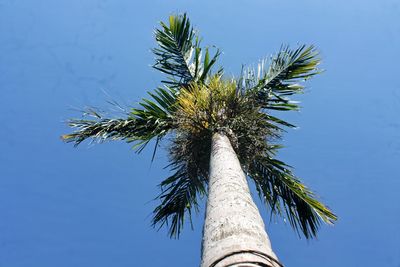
{"x": 91, "y": 206}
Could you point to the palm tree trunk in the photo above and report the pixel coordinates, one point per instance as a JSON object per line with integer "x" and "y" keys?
{"x": 234, "y": 233}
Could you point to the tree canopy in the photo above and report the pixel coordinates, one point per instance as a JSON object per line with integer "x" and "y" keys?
{"x": 193, "y": 102}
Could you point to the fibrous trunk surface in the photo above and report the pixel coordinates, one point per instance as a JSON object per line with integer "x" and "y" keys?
{"x": 234, "y": 232}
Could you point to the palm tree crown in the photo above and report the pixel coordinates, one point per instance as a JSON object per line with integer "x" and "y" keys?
{"x": 194, "y": 103}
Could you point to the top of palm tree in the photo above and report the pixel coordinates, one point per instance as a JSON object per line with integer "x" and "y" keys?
{"x": 193, "y": 103}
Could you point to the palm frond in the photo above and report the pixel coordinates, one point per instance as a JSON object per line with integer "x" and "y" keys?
{"x": 153, "y": 120}
{"x": 99, "y": 129}
{"x": 180, "y": 192}
{"x": 179, "y": 54}
{"x": 287, "y": 68}
{"x": 178, "y": 198}
{"x": 283, "y": 192}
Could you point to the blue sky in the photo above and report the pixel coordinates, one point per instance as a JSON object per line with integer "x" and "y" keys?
{"x": 91, "y": 206}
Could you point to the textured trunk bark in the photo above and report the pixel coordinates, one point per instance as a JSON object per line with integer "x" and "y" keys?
{"x": 234, "y": 232}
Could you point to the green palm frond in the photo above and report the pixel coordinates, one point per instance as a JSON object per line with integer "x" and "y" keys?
{"x": 289, "y": 67}
{"x": 178, "y": 198}
{"x": 99, "y": 129}
{"x": 282, "y": 78}
{"x": 284, "y": 192}
{"x": 179, "y": 54}
{"x": 153, "y": 120}
{"x": 180, "y": 192}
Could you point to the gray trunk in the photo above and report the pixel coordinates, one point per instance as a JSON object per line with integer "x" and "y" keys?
{"x": 234, "y": 232}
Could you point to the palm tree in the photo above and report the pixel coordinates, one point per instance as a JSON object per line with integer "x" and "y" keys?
{"x": 221, "y": 131}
